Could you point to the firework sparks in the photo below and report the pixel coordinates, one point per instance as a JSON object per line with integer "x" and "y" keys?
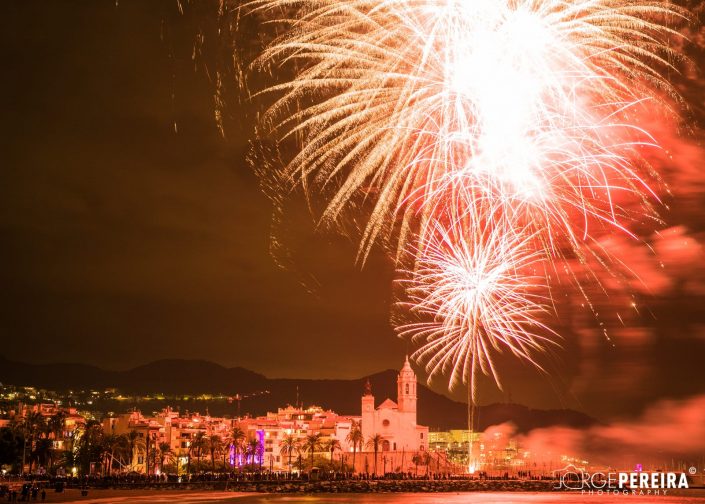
{"x": 486, "y": 136}
{"x": 478, "y": 290}
{"x": 402, "y": 101}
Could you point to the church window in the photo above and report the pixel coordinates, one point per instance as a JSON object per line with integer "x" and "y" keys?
{"x": 385, "y": 422}
{"x": 407, "y": 388}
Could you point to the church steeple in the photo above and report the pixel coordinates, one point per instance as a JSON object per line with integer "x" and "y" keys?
{"x": 368, "y": 400}
{"x": 406, "y": 389}
{"x": 368, "y": 388}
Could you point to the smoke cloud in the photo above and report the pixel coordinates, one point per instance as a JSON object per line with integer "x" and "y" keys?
{"x": 667, "y": 433}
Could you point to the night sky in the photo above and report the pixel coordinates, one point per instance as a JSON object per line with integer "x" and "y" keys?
{"x": 131, "y": 230}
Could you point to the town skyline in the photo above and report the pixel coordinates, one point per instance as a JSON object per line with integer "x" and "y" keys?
{"x": 381, "y": 433}
{"x": 196, "y": 385}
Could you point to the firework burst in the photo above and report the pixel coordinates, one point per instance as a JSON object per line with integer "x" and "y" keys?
{"x": 478, "y": 290}
{"x": 481, "y": 137}
{"x": 411, "y": 104}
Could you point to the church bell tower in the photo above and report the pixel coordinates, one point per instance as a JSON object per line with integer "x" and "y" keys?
{"x": 406, "y": 389}
{"x": 368, "y": 412}
{"x": 368, "y": 400}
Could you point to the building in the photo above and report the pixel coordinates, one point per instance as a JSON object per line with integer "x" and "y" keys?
{"x": 298, "y": 422}
{"x": 61, "y": 426}
{"x": 395, "y": 421}
{"x": 493, "y": 450}
{"x": 149, "y": 433}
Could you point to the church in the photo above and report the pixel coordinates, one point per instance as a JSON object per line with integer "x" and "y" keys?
{"x": 395, "y": 421}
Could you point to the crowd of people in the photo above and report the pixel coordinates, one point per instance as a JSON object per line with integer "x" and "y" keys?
{"x": 27, "y": 492}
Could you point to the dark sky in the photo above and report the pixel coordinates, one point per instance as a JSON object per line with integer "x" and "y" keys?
{"x": 130, "y": 230}
{"x": 125, "y": 241}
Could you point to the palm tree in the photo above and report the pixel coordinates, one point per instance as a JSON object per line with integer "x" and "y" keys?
{"x": 426, "y": 460}
{"x": 254, "y": 448}
{"x": 416, "y": 459}
{"x": 113, "y": 447}
{"x": 41, "y": 452}
{"x": 199, "y": 443}
{"x": 288, "y": 447}
{"x": 147, "y": 455}
{"x": 36, "y": 423}
{"x": 33, "y": 425}
{"x": 375, "y": 442}
{"x": 90, "y": 446}
{"x": 215, "y": 445}
{"x": 237, "y": 438}
{"x": 133, "y": 440}
{"x": 312, "y": 443}
{"x": 189, "y": 449}
{"x": 164, "y": 453}
{"x": 356, "y": 438}
{"x": 152, "y": 457}
{"x": 332, "y": 445}
{"x": 57, "y": 424}
{"x": 19, "y": 428}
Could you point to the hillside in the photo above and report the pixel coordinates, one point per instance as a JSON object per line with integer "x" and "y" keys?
{"x": 172, "y": 377}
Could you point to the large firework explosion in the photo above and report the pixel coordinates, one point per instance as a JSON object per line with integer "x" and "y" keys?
{"x": 477, "y": 290}
{"x": 485, "y": 142}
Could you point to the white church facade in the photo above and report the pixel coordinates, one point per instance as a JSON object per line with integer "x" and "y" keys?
{"x": 395, "y": 422}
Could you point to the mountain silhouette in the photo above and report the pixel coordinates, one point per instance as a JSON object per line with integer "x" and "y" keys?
{"x": 261, "y": 394}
